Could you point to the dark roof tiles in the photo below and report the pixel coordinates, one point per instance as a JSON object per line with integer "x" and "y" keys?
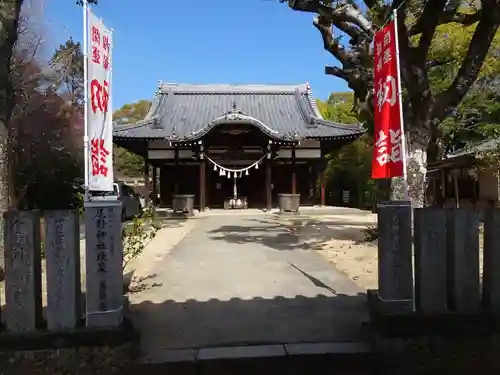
{"x": 185, "y": 111}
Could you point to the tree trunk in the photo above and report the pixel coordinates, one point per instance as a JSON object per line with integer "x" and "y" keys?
{"x": 416, "y": 161}
{"x": 9, "y": 18}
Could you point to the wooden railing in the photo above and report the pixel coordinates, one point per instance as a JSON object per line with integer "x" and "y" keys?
{"x": 433, "y": 266}
{"x": 56, "y": 262}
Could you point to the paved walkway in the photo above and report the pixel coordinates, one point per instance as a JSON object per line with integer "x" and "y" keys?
{"x": 237, "y": 280}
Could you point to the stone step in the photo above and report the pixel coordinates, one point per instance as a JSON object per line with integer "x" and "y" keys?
{"x": 348, "y": 358}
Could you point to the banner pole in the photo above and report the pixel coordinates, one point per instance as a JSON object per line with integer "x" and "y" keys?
{"x": 85, "y": 103}
{"x": 400, "y": 99}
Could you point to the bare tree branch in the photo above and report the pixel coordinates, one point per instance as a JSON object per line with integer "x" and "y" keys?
{"x": 337, "y": 72}
{"x": 330, "y": 43}
{"x": 345, "y": 12}
{"x": 350, "y": 14}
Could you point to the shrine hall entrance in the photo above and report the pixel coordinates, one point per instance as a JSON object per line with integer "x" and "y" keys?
{"x": 221, "y": 188}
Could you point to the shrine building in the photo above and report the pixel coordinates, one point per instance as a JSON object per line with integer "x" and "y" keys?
{"x": 220, "y": 141}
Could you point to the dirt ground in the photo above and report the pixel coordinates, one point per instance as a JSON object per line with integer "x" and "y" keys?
{"x": 340, "y": 238}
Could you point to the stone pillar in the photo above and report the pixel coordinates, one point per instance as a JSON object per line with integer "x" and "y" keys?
{"x": 463, "y": 260}
{"x": 103, "y": 260}
{"x": 430, "y": 260}
{"x": 62, "y": 252}
{"x": 395, "y": 271}
{"x": 23, "y": 280}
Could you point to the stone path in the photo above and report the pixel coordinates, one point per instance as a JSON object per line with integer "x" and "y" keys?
{"x": 240, "y": 280}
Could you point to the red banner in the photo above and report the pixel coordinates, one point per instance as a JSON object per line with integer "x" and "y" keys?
{"x": 388, "y": 152}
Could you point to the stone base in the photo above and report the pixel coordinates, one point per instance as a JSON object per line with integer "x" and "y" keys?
{"x": 381, "y": 307}
{"x": 289, "y": 202}
{"x": 79, "y": 352}
{"x": 404, "y": 324}
{"x": 180, "y": 215}
{"x": 238, "y": 203}
{"x": 440, "y": 354}
{"x": 183, "y": 204}
{"x": 412, "y": 343}
{"x": 290, "y": 359}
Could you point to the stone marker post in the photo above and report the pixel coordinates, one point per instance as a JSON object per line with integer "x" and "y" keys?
{"x": 62, "y": 252}
{"x": 103, "y": 260}
{"x": 23, "y": 280}
{"x": 395, "y": 271}
{"x": 430, "y": 260}
{"x": 463, "y": 260}
{"x": 491, "y": 260}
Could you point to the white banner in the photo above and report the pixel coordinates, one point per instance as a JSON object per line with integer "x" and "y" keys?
{"x": 99, "y": 115}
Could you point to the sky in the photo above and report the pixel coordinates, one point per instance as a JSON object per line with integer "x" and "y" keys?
{"x": 200, "y": 41}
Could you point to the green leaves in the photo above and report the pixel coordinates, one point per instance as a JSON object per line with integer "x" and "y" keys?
{"x": 127, "y": 163}
{"x": 350, "y": 167}
{"x": 137, "y": 235}
{"x": 339, "y": 108}
{"x": 449, "y": 48}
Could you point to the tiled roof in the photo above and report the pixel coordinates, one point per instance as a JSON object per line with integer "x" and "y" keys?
{"x": 485, "y": 146}
{"x": 182, "y": 112}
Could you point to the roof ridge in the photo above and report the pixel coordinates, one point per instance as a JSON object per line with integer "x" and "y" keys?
{"x": 231, "y": 84}
{"x": 182, "y": 92}
{"x": 231, "y": 88}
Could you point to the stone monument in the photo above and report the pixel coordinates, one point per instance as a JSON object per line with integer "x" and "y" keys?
{"x": 103, "y": 260}
{"x": 62, "y": 251}
{"x": 23, "y": 280}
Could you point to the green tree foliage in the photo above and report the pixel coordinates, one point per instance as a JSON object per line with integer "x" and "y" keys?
{"x": 434, "y": 82}
{"x": 126, "y": 163}
{"x": 473, "y": 120}
{"x": 477, "y": 118}
{"x": 340, "y": 108}
{"x": 350, "y": 167}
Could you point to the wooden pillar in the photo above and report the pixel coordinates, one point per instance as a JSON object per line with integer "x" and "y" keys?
{"x": 311, "y": 177}
{"x": 176, "y": 179}
{"x": 155, "y": 186}
{"x": 320, "y": 168}
{"x": 202, "y": 184}
{"x": 269, "y": 198}
{"x": 146, "y": 180}
{"x": 455, "y": 185}
{"x": 294, "y": 175}
{"x": 323, "y": 190}
{"x": 443, "y": 187}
